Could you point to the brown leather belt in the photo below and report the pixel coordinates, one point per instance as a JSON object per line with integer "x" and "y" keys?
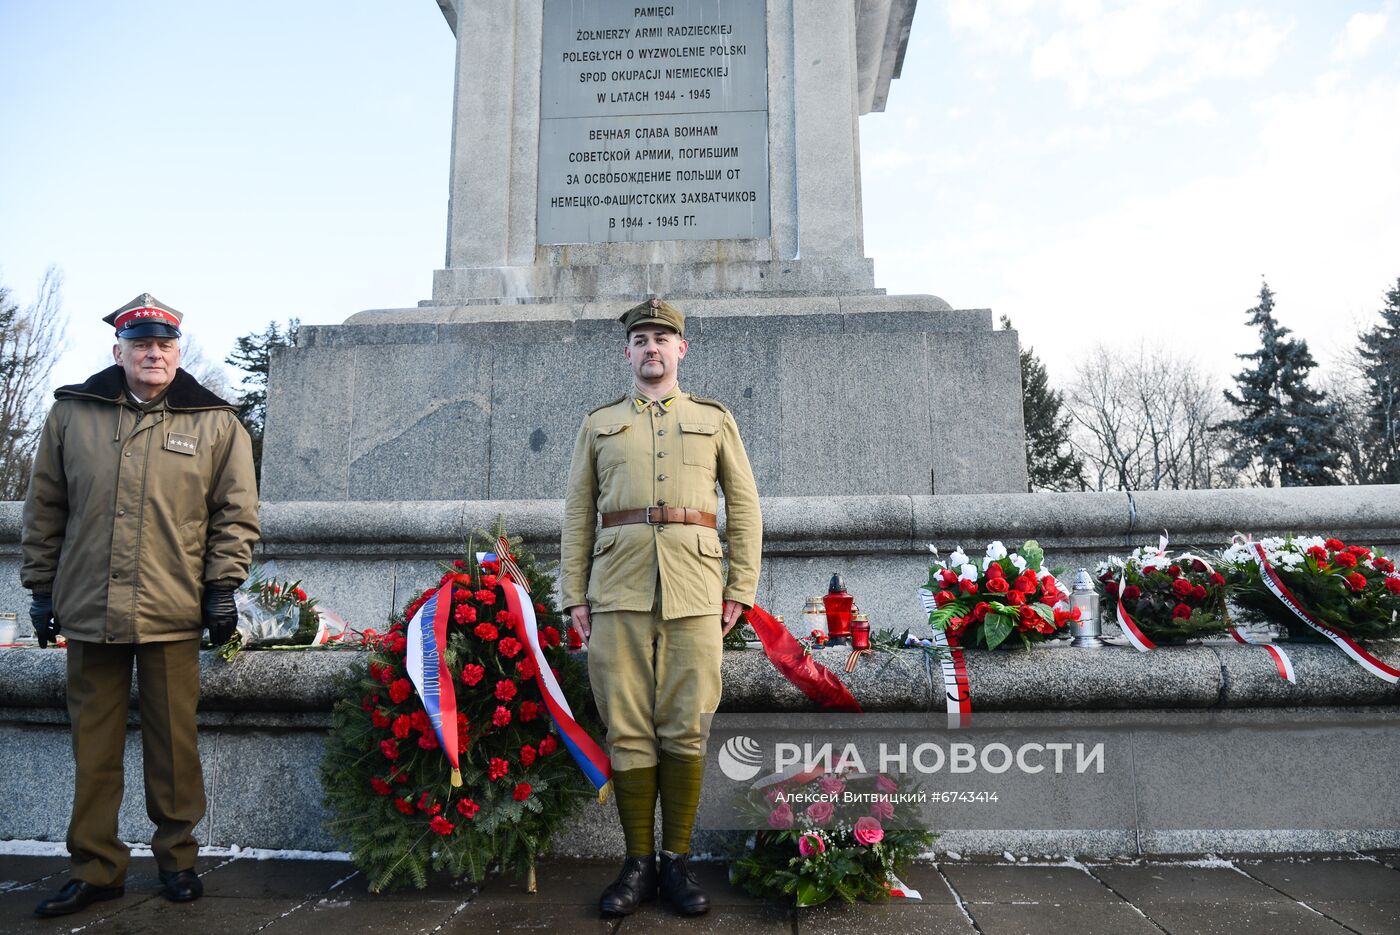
{"x": 656, "y": 515}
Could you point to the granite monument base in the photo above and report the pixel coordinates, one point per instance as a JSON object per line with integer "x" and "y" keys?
{"x": 834, "y": 396}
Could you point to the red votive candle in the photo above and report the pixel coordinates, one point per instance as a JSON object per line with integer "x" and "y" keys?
{"x": 860, "y": 631}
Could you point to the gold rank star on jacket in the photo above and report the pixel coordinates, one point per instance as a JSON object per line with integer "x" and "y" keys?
{"x": 635, "y": 453}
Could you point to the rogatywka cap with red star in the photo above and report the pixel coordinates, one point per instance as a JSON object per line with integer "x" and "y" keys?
{"x": 145, "y": 317}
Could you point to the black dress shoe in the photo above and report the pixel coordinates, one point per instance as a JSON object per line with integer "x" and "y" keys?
{"x": 181, "y": 886}
{"x": 634, "y": 886}
{"x": 76, "y": 895}
{"x": 678, "y": 886}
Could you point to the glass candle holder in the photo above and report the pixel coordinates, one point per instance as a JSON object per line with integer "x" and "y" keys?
{"x": 860, "y": 631}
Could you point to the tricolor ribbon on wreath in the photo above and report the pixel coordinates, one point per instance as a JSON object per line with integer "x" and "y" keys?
{"x": 1280, "y": 590}
{"x": 957, "y": 690}
{"x": 426, "y": 662}
{"x": 586, "y": 752}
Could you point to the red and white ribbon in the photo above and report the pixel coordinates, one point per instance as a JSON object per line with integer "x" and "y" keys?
{"x": 1280, "y": 590}
{"x": 955, "y": 682}
{"x": 899, "y": 889}
{"x": 1281, "y": 658}
{"x": 1125, "y": 620}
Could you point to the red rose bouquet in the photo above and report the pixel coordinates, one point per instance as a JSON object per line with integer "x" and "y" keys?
{"x": 983, "y": 601}
{"x": 1352, "y": 589}
{"x": 1170, "y": 598}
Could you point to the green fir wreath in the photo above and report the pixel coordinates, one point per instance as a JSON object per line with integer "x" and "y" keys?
{"x": 386, "y": 780}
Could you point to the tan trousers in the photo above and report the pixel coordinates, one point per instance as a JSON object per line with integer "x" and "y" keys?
{"x": 99, "y": 685}
{"x": 656, "y": 682}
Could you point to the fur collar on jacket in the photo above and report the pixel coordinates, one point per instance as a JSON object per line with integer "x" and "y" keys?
{"x": 109, "y": 386}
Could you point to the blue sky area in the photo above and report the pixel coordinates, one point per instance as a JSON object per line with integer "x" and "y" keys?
{"x": 1099, "y": 171}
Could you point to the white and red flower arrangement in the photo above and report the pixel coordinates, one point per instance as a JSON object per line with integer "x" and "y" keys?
{"x": 984, "y": 601}
{"x": 1351, "y": 589}
{"x": 386, "y": 778}
{"x": 1169, "y": 598}
{"x": 848, "y": 837}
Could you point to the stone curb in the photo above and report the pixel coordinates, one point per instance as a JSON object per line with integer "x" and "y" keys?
{"x": 1045, "y": 678}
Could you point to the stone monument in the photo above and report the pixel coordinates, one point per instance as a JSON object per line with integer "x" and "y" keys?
{"x": 607, "y": 150}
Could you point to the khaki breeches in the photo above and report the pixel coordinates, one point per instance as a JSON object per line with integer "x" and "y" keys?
{"x": 656, "y": 682}
{"x": 99, "y": 685}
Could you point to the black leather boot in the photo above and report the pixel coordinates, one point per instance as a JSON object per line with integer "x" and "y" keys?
{"x": 76, "y": 895}
{"x": 634, "y": 886}
{"x": 181, "y": 886}
{"x": 678, "y": 886}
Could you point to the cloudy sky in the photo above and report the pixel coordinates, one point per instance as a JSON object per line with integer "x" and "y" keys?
{"x": 1099, "y": 171}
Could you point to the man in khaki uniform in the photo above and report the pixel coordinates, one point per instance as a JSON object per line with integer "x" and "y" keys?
{"x": 649, "y": 593}
{"x": 139, "y": 524}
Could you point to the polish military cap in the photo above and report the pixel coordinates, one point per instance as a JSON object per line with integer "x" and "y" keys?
{"x": 654, "y": 311}
{"x": 145, "y": 317}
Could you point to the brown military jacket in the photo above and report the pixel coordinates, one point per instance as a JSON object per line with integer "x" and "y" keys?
{"x": 132, "y": 509}
{"x": 631, "y": 454}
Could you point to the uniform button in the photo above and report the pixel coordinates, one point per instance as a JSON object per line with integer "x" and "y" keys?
{"x": 661, "y": 454}
{"x": 115, "y": 575}
{"x": 660, "y": 502}
{"x": 662, "y": 476}
{"x": 126, "y": 454}
{"x": 660, "y": 431}
{"x": 121, "y": 512}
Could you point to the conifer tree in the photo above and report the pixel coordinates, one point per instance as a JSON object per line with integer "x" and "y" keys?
{"x": 1283, "y": 430}
{"x": 1051, "y": 462}
{"x": 1380, "y": 356}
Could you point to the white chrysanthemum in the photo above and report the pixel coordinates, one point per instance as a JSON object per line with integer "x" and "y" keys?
{"x": 996, "y": 551}
{"x": 933, "y": 549}
{"x": 1019, "y": 562}
{"x": 959, "y": 557}
{"x": 968, "y": 572}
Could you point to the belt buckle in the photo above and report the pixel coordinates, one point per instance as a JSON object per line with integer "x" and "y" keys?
{"x": 658, "y": 522}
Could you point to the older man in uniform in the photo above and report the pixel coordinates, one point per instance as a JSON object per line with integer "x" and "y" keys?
{"x": 649, "y": 593}
{"x": 139, "y": 525}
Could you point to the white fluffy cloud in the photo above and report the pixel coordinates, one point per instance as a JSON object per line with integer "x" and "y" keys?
{"x": 1318, "y": 213}
{"x": 1359, "y": 36}
{"x": 1124, "y": 50}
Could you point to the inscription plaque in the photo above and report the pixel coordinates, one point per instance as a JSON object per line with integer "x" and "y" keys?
{"x": 653, "y": 121}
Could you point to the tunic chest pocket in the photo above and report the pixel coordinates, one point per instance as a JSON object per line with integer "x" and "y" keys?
{"x": 698, "y": 440}
{"x": 611, "y": 445}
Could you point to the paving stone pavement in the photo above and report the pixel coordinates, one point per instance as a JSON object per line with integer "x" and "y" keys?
{"x": 1357, "y": 893}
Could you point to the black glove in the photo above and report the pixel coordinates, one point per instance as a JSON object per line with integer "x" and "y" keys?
{"x": 41, "y": 615}
{"x": 220, "y": 612}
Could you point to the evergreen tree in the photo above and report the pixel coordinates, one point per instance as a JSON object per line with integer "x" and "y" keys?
{"x": 1284, "y": 428}
{"x": 1380, "y": 356}
{"x": 1051, "y": 462}
{"x": 252, "y": 354}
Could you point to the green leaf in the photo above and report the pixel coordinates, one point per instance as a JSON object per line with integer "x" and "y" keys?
{"x": 1032, "y": 553}
{"x": 810, "y": 893}
{"x": 996, "y": 629}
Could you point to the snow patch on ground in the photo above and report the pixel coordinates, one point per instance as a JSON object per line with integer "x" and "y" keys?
{"x": 59, "y": 849}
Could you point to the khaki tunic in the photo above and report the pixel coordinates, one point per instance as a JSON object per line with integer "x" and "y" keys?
{"x": 630, "y": 455}
{"x": 132, "y": 509}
